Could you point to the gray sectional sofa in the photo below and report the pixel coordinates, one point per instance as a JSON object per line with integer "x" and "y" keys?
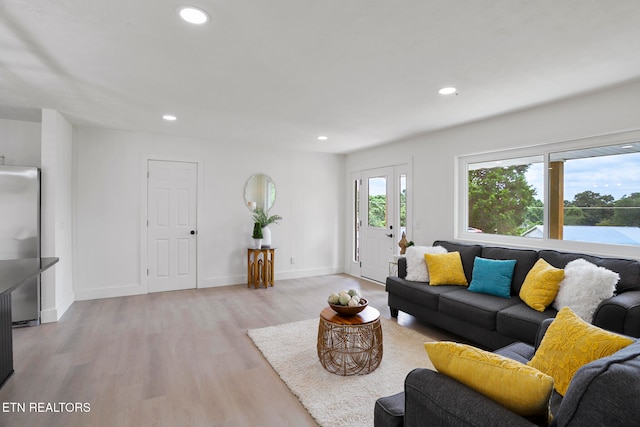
{"x": 602, "y": 393}
{"x": 493, "y": 322}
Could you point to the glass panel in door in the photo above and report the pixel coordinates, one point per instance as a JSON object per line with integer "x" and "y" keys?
{"x": 377, "y": 207}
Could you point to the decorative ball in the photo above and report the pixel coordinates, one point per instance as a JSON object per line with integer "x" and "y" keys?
{"x": 344, "y": 299}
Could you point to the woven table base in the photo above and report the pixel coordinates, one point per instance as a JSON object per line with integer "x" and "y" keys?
{"x": 350, "y": 349}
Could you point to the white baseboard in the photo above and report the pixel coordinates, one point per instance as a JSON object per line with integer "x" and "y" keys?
{"x": 111, "y": 292}
{"x": 297, "y": 274}
{"x": 62, "y": 308}
{"x": 54, "y": 314}
{"x": 49, "y": 316}
{"x": 212, "y": 282}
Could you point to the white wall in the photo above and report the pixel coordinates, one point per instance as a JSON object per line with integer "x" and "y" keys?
{"x": 48, "y": 145}
{"x": 57, "y": 214}
{"x": 110, "y": 197}
{"x": 20, "y": 142}
{"x": 434, "y": 189}
{"x": 313, "y": 190}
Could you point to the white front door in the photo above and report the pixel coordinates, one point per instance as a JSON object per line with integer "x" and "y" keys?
{"x": 377, "y": 237}
{"x": 171, "y": 235}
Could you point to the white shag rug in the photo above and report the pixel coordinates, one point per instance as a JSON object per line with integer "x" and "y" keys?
{"x": 334, "y": 400}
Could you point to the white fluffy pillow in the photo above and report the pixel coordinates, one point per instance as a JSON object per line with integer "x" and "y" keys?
{"x": 416, "y": 265}
{"x": 584, "y": 287}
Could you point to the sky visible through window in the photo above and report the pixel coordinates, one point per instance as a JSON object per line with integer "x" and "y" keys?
{"x": 614, "y": 175}
{"x": 378, "y": 186}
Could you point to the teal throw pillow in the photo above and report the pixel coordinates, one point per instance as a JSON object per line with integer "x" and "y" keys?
{"x": 492, "y": 276}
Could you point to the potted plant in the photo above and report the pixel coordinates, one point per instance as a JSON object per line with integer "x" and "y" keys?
{"x": 261, "y": 217}
{"x": 257, "y": 235}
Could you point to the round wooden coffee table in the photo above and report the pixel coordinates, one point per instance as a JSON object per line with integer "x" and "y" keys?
{"x": 350, "y": 345}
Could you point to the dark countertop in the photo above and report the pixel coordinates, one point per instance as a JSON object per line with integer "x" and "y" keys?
{"x": 14, "y": 272}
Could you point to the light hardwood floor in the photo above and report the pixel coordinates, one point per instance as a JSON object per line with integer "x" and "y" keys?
{"x": 170, "y": 359}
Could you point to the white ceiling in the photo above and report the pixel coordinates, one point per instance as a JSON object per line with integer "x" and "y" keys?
{"x": 282, "y": 72}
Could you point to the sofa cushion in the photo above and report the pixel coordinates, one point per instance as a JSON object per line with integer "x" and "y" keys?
{"x": 478, "y": 309}
{"x": 584, "y": 287}
{"x": 629, "y": 270}
{"x": 541, "y": 285}
{"x": 468, "y": 253}
{"x": 604, "y": 392}
{"x": 570, "y": 343}
{"x": 516, "y": 386}
{"x": 518, "y": 351}
{"x": 445, "y": 269}
{"x": 492, "y": 277}
{"x": 417, "y": 292}
{"x": 416, "y": 265}
{"x": 521, "y": 321}
{"x": 525, "y": 259}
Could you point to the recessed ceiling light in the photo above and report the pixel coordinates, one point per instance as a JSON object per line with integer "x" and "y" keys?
{"x": 193, "y": 15}
{"x": 447, "y": 91}
{"x": 169, "y": 117}
{"x": 322, "y": 138}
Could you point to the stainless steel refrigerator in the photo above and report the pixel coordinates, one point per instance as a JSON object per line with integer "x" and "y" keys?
{"x": 20, "y": 234}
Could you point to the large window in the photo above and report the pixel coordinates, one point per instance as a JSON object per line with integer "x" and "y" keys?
{"x": 506, "y": 196}
{"x": 579, "y": 194}
{"x": 600, "y": 194}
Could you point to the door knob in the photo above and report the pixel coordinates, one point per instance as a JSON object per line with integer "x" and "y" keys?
{"x": 193, "y": 231}
{"x": 389, "y": 235}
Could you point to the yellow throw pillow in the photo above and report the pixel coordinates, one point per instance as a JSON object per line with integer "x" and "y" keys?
{"x": 445, "y": 269}
{"x": 514, "y": 385}
{"x": 541, "y": 285}
{"x": 570, "y": 343}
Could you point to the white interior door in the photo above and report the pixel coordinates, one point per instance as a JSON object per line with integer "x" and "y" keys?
{"x": 172, "y": 233}
{"x": 377, "y": 237}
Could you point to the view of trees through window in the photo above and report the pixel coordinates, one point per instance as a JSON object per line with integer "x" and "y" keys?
{"x": 377, "y": 202}
{"x": 501, "y": 198}
{"x": 403, "y": 203}
{"x": 600, "y": 187}
{"x": 589, "y": 208}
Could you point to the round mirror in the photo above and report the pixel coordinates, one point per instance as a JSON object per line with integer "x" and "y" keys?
{"x": 259, "y": 192}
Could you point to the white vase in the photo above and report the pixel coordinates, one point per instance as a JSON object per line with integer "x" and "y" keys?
{"x": 266, "y": 236}
{"x": 257, "y": 243}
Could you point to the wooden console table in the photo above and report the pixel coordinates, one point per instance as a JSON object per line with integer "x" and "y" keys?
{"x": 14, "y": 273}
{"x": 260, "y": 267}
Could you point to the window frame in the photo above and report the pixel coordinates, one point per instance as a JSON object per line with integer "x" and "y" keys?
{"x": 461, "y": 198}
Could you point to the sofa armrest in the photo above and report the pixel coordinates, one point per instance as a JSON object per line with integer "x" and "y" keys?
{"x": 620, "y": 314}
{"x": 402, "y": 267}
{"x": 438, "y": 400}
